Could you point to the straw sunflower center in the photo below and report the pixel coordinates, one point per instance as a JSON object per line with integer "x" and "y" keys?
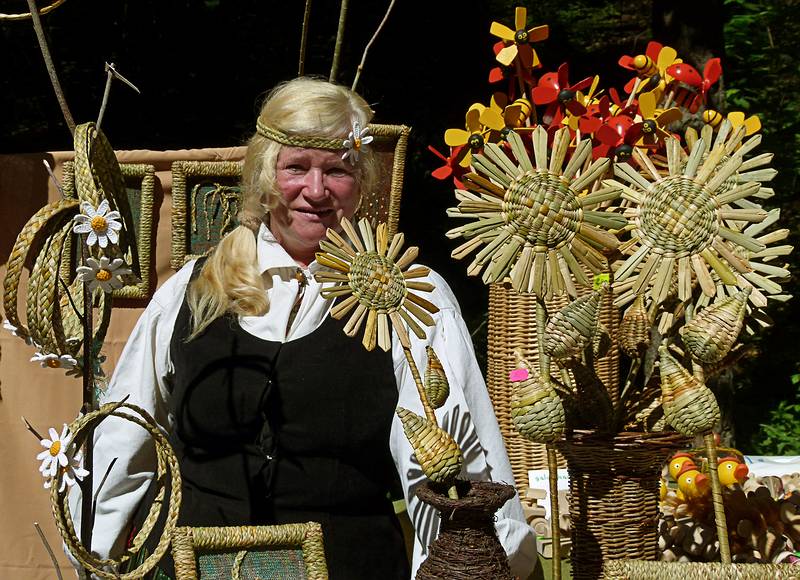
{"x": 99, "y": 223}
{"x": 103, "y": 275}
{"x": 542, "y": 208}
{"x": 377, "y": 281}
{"x": 55, "y": 448}
{"x": 678, "y": 217}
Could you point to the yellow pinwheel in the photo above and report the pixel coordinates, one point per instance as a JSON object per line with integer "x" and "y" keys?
{"x": 519, "y": 40}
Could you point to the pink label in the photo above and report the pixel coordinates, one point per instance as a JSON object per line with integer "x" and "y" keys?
{"x": 518, "y": 375}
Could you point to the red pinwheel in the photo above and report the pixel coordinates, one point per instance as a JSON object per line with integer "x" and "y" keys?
{"x": 687, "y": 74}
{"x": 555, "y": 91}
{"x": 614, "y": 139}
{"x": 451, "y": 167}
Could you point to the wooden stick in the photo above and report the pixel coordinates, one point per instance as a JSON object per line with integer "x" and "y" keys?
{"x": 48, "y": 63}
{"x": 337, "y": 49}
{"x": 87, "y": 515}
{"x": 301, "y": 64}
{"x": 716, "y": 495}
{"x": 429, "y": 414}
{"x": 49, "y": 550}
{"x": 369, "y": 44}
{"x": 555, "y": 529}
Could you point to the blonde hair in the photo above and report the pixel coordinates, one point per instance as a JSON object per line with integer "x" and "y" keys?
{"x": 230, "y": 280}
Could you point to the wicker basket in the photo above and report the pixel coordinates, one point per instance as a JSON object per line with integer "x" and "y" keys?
{"x": 512, "y": 325}
{"x": 636, "y": 570}
{"x": 613, "y": 502}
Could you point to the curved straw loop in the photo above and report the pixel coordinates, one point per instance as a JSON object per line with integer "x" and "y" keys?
{"x": 167, "y": 466}
{"x": 45, "y": 221}
{"x": 27, "y": 15}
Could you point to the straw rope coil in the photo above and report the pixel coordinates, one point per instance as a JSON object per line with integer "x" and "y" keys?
{"x": 81, "y": 428}
{"x": 189, "y": 542}
{"x": 637, "y": 570}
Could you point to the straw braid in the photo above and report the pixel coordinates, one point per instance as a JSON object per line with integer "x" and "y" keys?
{"x": 40, "y": 222}
{"x": 305, "y": 141}
{"x": 42, "y": 289}
{"x": 167, "y": 466}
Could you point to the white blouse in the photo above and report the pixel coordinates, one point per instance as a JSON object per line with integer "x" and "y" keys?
{"x": 144, "y": 371}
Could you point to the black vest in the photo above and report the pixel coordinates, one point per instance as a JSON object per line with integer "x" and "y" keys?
{"x": 268, "y": 432}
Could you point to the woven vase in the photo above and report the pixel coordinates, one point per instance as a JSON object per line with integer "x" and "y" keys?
{"x": 467, "y": 547}
{"x": 613, "y": 503}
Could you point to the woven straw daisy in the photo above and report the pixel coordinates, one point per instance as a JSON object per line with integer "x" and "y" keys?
{"x": 367, "y": 270}
{"x": 533, "y": 221}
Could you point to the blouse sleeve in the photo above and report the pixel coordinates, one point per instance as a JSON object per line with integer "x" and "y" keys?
{"x": 141, "y": 375}
{"x": 468, "y": 415}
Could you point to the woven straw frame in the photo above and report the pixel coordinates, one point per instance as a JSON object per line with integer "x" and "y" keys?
{"x": 382, "y": 205}
{"x": 614, "y": 485}
{"x": 512, "y": 325}
{"x": 637, "y": 570}
{"x": 143, "y": 176}
{"x": 187, "y": 542}
{"x": 167, "y": 467}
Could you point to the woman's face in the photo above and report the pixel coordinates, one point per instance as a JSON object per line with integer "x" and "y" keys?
{"x": 317, "y": 189}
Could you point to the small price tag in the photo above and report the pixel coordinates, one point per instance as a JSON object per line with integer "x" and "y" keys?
{"x": 600, "y": 279}
{"x": 518, "y": 375}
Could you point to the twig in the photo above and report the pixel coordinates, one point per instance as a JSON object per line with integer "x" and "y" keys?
{"x": 49, "y": 550}
{"x": 72, "y": 302}
{"x": 369, "y": 44}
{"x": 48, "y": 63}
{"x": 111, "y": 73}
{"x": 301, "y": 64}
{"x": 99, "y": 487}
{"x": 337, "y": 49}
{"x": 26, "y": 15}
{"x": 53, "y": 177}
{"x": 32, "y": 430}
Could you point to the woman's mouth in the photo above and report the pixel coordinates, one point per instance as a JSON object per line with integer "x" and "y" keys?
{"x": 314, "y": 214}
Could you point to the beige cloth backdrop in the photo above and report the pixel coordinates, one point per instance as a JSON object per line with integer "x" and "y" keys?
{"x": 46, "y": 397}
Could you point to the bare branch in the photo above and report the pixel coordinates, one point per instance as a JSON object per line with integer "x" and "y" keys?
{"x": 49, "y": 550}
{"x": 301, "y": 65}
{"x": 369, "y": 44}
{"x": 337, "y": 50}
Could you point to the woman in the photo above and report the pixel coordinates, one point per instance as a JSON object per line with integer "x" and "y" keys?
{"x": 275, "y": 415}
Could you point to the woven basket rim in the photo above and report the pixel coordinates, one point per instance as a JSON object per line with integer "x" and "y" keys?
{"x": 473, "y": 495}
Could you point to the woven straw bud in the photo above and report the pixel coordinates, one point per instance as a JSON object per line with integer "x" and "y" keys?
{"x": 634, "y": 331}
{"x": 571, "y": 329}
{"x": 437, "y": 389}
{"x": 689, "y": 406}
{"x": 710, "y": 335}
{"x": 537, "y": 411}
{"x": 437, "y": 452}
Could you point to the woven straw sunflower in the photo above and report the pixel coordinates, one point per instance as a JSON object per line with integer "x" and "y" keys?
{"x": 532, "y": 218}
{"x": 696, "y": 223}
{"x": 367, "y": 270}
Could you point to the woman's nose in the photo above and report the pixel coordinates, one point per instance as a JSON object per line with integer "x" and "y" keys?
{"x": 315, "y": 184}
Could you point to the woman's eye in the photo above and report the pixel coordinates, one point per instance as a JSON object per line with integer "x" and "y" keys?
{"x": 338, "y": 172}
{"x": 294, "y": 168}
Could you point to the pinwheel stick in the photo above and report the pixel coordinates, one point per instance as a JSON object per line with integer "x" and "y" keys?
{"x": 552, "y": 463}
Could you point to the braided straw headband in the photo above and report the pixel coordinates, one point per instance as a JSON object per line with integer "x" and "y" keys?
{"x": 299, "y": 140}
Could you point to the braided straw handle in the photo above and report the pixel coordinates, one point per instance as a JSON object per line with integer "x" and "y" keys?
{"x": 167, "y": 466}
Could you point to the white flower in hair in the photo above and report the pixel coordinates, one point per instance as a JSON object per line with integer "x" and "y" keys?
{"x": 100, "y": 224}
{"x": 357, "y": 138}
{"x": 58, "y": 456}
{"x": 54, "y": 361}
{"x": 103, "y": 273}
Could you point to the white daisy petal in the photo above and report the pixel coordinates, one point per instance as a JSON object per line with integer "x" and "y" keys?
{"x": 113, "y": 216}
{"x": 82, "y": 228}
{"x": 88, "y": 209}
{"x": 103, "y": 208}
{"x": 53, "y": 434}
{"x": 91, "y": 239}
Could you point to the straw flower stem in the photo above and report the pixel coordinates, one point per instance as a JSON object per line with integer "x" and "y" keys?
{"x": 716, "y": 493}
{"x": 555, "y": 530}
{"x": 429, "y": 414}
{"x": 541, "y": 321}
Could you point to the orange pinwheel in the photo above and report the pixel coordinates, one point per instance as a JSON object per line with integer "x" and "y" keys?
{"x": 519, "y": 40}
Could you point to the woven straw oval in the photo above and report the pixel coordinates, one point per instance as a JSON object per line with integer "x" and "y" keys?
{"x": 711, "y": 334}
{"x": 43, "y": 223}
{"x": 167, "y": 467}
{"x": 537, "y": 411}
{"x": 634, "y": 331}
{"x": 571, "y": 329}
{"x": 437, "y": 452}
{"x": 437, "y": 388}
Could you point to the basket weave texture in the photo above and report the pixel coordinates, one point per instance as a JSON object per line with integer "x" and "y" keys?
{"x": 613, "y": 503}
{"x": 635, "y": 570}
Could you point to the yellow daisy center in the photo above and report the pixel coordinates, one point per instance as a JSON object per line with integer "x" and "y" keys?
{"x": 99, "y": 223}
{"x": 53, "y": 363}
{"x": 357, "y": 143}
{"x": 55, "y": 448}
{"x": 103, "y": 275}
